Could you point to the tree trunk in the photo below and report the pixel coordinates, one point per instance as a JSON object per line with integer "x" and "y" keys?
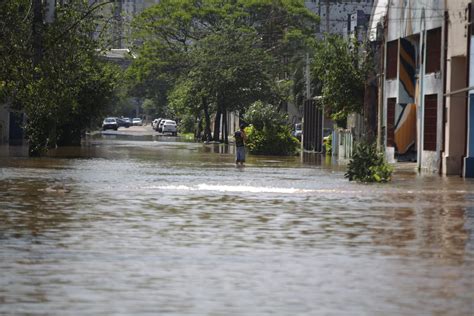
{"x": 225, "y": 129}
{"x": 207, "y": 117}
{"x": 217, "y": 126}
{"x": 370, "y": 111}
{"x": 198, "y": 131}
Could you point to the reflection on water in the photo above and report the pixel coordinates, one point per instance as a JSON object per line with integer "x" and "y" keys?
{"x": 152, "y": 226}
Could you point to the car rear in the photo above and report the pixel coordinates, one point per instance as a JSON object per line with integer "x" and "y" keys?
{"x": 170, "y": 127}
{"x": 110, "y": 123}
{"x": 137, "y": 121}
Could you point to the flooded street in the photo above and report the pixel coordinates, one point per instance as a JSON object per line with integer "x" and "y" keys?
{"x": 150, "y": 225}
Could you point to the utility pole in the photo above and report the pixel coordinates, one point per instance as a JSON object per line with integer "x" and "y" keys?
{"x": 327, "y": 16}
{"x": 307, "y": 77}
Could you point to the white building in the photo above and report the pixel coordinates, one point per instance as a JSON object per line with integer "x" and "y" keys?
{"x": 426, "y": 111}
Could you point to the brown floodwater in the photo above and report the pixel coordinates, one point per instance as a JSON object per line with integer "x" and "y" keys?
{"x": 152, "y": 225}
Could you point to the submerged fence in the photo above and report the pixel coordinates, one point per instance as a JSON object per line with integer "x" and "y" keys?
{"x": 343, "y": 142}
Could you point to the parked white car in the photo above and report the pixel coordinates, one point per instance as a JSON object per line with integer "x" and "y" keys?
{"x": 155, "y": 123}
{"x": 160, "y": 125}
{"x": 169, "y": 126}
{"x": 137, "y": 121}
{"x": 298, "y": 131}
{"x": 110, "y": 123}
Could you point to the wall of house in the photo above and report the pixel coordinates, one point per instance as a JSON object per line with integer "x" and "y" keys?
{"x": 469, "y": 159}
{"x": 390, "y": 92}
{"x": 414, "y": 17}
{"x": 455, "y": 129}
{"x": 456, "y": 79}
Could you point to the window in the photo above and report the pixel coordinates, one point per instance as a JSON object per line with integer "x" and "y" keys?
{"x": 392, "y": 60}
{"x": 430, "y": 122}
{"x": 391, "y": 102}
{"x": 433, "y": 51}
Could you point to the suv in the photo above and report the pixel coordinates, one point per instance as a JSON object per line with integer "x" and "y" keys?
{"x": 155, "y": 123}
{"x": 169, "y": 126}
{"x": 110, "y": 123}
{"x": 298, "y": 131}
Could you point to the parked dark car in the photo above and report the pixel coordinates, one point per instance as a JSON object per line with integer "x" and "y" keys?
{"x": 122, "y": 122}
{"x": 110, "y": 123}
{"x": 127, "y": 120}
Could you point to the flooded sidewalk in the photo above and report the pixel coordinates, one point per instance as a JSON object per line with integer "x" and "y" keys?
{"x": 159, "y": 226}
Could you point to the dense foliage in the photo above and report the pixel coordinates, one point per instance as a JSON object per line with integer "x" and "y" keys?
{"x": 328, "y": 145}
{"x": 268, "y": 133}
{"x": 339, "y": 72}
{"x": 368, "y": 165}
{"x": 208, "y": 57}
{"x": 52, "y": 71}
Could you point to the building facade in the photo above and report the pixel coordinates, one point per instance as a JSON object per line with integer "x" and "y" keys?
{"x": 468, "y": 163}
{"x": 336, "y": 14}
{"x": 425, "y": 83}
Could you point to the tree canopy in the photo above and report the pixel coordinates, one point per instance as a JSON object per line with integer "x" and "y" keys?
{"x": 52, "y": 71}
{"x": 339, "y": 73}
{"x": 224, "y": 54}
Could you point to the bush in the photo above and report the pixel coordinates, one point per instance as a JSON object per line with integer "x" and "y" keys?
{"x": 328, "y": 145}
{"x": 187, "y": 124}
{"x": 367, "y": 165}
{"x": 271, "y": 141}
{"x": 268, "y": 133}
{"x": 262, "y": 115}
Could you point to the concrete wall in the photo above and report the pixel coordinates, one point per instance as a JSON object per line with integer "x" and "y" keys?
{"x": 469, "y": 159}
{"x": 455, "y": 129}
{"x": 390, "y": 91}
{"x": 409, "y": 19}
{"x": 456, "y": 79}
{"x": 430, "y": 160}
{"x": 294, "y": 114}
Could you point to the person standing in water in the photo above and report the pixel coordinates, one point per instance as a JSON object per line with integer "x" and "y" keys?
{"x": 240, "y": 139}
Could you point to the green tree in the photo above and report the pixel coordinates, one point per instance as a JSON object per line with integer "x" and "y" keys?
{"x": 235, "y": 72}
{"x": 227, "y": 53}
{"x": 337, "y": 69}
{"x": 268, "y": 133}
{"x": 368, "y": 165}
{"x": 58, "y": 80}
